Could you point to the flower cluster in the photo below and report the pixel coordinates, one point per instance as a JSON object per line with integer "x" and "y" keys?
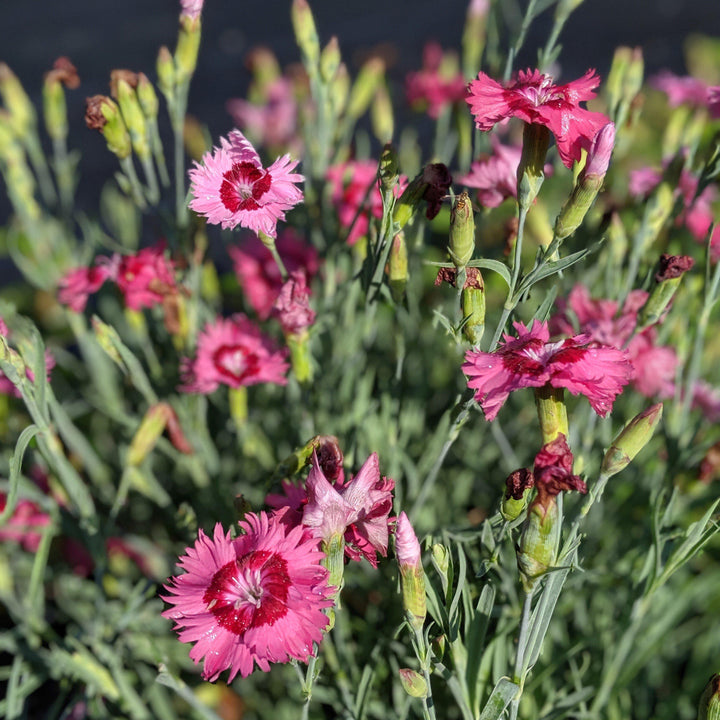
{"x": 438, "y": 84}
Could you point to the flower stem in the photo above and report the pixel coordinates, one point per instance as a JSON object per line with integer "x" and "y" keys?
{"x": 422, "y": 651}
{"x": 178, "y": 108}
{"x": 269, "y": 243}
{"x": 520, "y": 672}
{"x": 129, "y": 169}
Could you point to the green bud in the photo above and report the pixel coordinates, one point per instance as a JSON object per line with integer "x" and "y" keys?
{"x": 238, "y": 404}
{"x": 300, "y": 357}
{"x": 306, "y": 35}
{"x": 633, "y": 78}
{"x": 617, "y": 239}
{"x": 147, "y": 96}
{"x": 147, "y": 435}
{"x": 473, "y": 307}
{"x": 413, "y": 683}
{"x": 166, "y": 72}
{"x": 108, "y": 339}
{"x": 22, "y": 112}
{"x": 54, "y": 109}
{"x": 398, "y": 267}
{"x": 537, "y": 548}
{"x": 12, "y": 364}
{"x": 473, "y": 39}
{"x": 103, "y": 114}
{"x": 631, "y": 440}
{"x": 188, "y": 46}
{"x": 134, "y": 117}
{"x": 330, "y": 60}
{"x": 381, "y": 115}
{"x": 670, "y": 272}
{"x": 531, "y": 171}
{"x": 340, "y": 89}
{"x": 462, "y": 231}
{"x": 674, "y": 133}
{"x": 407, "y": 203}
{"x": 441, "y": 558}
{"x": 709, "y": 707}
{"x": 366, "y": 84}
{"x": 616, "y": 78}
{"x": 388, "y": 168}
{"x": 412, "y": 581}
{"x": 511, "y": 509}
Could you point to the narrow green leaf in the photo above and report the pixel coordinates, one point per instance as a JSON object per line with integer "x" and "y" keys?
{"x": 500, "y": 698}
{"x": 476, "y": 644}
{"x": 15, "y": 465}
{"x": 495, "y": 265}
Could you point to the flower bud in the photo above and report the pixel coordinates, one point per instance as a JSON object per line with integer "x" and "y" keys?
{"x": 147, "y": 96}
{"x": 412, "y": 575}
{"x": 631, "y": 440}
{"x": 588, "y": 183}
{"x": 537, "y": 548}
{"x": 430, "y": 184}
{"x": 107, "y": 338}
{"x": 473, "y": 37}
{"x": 709, "y": 707}
{"x": 670, "y": 271}
{"x": 330, "y": 60}
{"x": 186, "y": 52}
{"x": 381, "y": 115}
{"x": 147, "y": 435}
{"x": 413, "y": 683}
{"x": 305, "y": 34}
{"x": 398, "y": 267}
{"x": 462, "y": 231}
{"x": 388, "y": 168}
{"x": 366, "y": 84}
{"x": 166, "y": 72}
{"x": 21, "y": 111}
{"x": 518, "y": 486}
{"x": 132, "y": 113}
{"x": 659, "y": 205}
{"x": 472, "y": 301}
{"x": 101, "y": 113}
{"x": 531, "y": 170}
{"x": 54, "y": 106}
{"x": 615, "y": 78}
{"x": 441, "y": 558}
{"x": 340, "y": 89}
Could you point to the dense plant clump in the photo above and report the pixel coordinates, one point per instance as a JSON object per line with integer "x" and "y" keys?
{"x": 342, "y": 421}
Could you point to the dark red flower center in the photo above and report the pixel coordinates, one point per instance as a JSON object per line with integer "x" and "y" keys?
{"x": 236, "y": 362}
{"x": 249, "y": 592}
{"x": 535, "y": 356}
{"x": 243, "y": 185}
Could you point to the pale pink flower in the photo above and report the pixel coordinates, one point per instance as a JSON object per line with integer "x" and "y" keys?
{"x": 534, "y": 98}
{"x": 530, "y": 360}
{"x": 361, "y": 506}
{"x": 274, "y": 123}
{"x": 258, "y": 274}
{"x": 77, "y": 285}
{"x": 255, "y": 600}
{"x": 232, "y": 188}
{"x": 437, "y": 84}
{"x": 354, "y": 185}
{"x": 233, "y": 352}
{"x": 146, "y": 277}
{"x": 25, "y": 524}
{"x": 292, "y": 306}
{"x": 407, "y": 547}
{"x": 680, "y": 90}
{"x": 191, "y": 9}
{"x": 653, "y": 366}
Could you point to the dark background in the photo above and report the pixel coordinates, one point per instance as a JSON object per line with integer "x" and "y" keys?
{"x": 99, "y": 35}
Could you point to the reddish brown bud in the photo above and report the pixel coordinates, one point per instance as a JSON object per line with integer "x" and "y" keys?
{"x": 518, "y": 482}
{"x": 130, "y": 77}
{"x": 438, "y": 179}
{"x": 473, "y": 278}
{"x": 673, "y": 266}
{"x": 330, "y": 456}
{"x": 94, "y": 117}
{"x": 553, "y": 470}
{"x": 64, "y": 72}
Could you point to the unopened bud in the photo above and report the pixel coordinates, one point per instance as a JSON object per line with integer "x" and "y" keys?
{"x": 176, "y": 434}
{"x": 305, "y": 34}
{"x": 473, "y": 37}
{"x": 413, "y": 683}
{"x": 330, "y": 60}
{"x": 147, "y": 96}
{"x": 381, "y": 115}
{"x": 366, "y": 84}
{"x": 301, "y": 357}
{"x": 631, "y": 440}
{"x": 537, "y": 548}
{"x": 132, "y": 115}
{"x": 398, "y": 267}
{"x": 186, "y": 52}
{"x": 412, "y": 575}
{"x": 462, "y": 231}
{"x": 588, "y": 183}
{"x": 709, "y": 707}
{"x": 22, "y": 113}
{"x": 441, "y": 558}
{"x": 615, "y": 78}
{"x": 107, "y": 338}
{"x": 166, "y": 72}
{"x": 54, "y": 106}
{"x": 531, "y": 170}
{"x": 103, "y": 114}
{"x": 670, "y": 271}
{"x": 388, "y": 168}
{"x": 518, "y": 486}
{"x": 340, "y": 89}
{"x": 147, "y": 435}
{"x": 633, "y": 78}
{"x": 472, "y": 302}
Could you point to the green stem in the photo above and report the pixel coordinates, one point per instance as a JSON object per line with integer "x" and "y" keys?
{"x": 37, "y": 158}
{"x": 128, "y": 168}
{"x": 64, "y": 174}
{"x": 520, "y": 672}
{"x": 527, "y": 21}
{"x": 179, "y": 107}
{"x": 153, "y": 194}
{"x": 422, "y": 652}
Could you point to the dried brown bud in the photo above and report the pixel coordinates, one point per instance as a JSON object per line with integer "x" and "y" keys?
{"x": 518, "y": 482}
{"x": 553, "y": 470}
{"x": 64, "y": 72}
{"x": 94, "y": 117}
{"x": 673, "y": 266}
{"x": 438, "y": 179}
{"x": 330, "y": 456}
{"x": 130, "y": 77}
{"x": 473, "y": 278}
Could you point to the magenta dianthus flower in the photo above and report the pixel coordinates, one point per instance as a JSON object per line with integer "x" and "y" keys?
{"x": 292, "y": 306}
{"x": 680, "y": 89}
{"x": 233, "y": 352}
{"x": 534, "y": 98}
{"x": 255, "y": 600}
{"x": 530, "y": 360}
{"x": 77, "y": 285}
{"x": 144, "y": 278}
{"x": 438, "y": 84}
{"x": 232, "y": 188}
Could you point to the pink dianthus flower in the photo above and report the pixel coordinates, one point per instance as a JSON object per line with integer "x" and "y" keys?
{"x": 437, "y": 85}
{"x": 350, "y": 183}
{"x": 25, "y": 525}
{"x": 358, "y": 509}
{"x": 258, "y": 274}
{"x": 233, "y": 352}
{"x": 255, "y": 600}
{"x": 191, "y": 9}
{"x": 714, "y": 101}
{"x": 680, "y": 90}
{"x": 230, "y": 187}
{"x": 77, "y": 285}
{"x": 653, "y": 366}
{"x": 534, "y": 98}
{"x": 292, "y": 306}
{"x": 530, "y": 360}
{"x": 146, "y": 277}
